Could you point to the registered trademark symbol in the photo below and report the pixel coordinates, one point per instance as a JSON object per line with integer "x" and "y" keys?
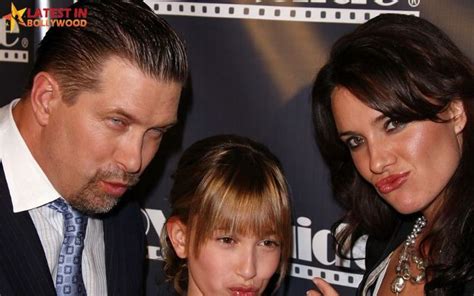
{"x": 24, "y": 42}
{"x": 414, "y": 3}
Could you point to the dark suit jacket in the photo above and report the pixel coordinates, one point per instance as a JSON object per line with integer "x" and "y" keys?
{"x": 377, "y": 251}
{"x": 23, "y": 266}
{"x": 166, "y": 289}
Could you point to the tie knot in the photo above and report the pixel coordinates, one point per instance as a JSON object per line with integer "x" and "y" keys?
{"x": 71, "y": 216}
{"x": 60, "y": 205}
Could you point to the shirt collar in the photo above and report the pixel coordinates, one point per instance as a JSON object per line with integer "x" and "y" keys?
{"x": 28, "y": 185}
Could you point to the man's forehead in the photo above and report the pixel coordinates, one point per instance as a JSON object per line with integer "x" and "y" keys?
{"x": 124, "y": 63}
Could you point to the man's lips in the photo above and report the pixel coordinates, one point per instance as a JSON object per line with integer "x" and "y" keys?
{"x": 392, "y": 182}
{"x": 114, "y": 188}
{"x": 242, "y": 291}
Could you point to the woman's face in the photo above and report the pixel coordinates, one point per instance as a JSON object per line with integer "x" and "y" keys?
{"x": 233, "y": 265}
{"x": 409, "y": 164}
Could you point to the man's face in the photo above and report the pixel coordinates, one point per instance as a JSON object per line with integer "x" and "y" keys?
{"x": 97, "y": 147}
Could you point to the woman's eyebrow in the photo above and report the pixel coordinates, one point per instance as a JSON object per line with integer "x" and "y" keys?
{"x": 348, "y": 133}
{"x": 378, "y": 119}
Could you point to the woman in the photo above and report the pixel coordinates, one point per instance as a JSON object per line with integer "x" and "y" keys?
{"x": 393, "y": 114}
{"x": 230, "y": 226}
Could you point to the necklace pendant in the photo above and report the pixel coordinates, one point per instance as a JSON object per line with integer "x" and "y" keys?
{"x": 398, "y": 285}
{"x": 418, "y": 278}
{"x": 407, "y": 254}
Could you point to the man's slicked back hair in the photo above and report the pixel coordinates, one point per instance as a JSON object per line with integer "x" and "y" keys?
{"x": 125, "y": 29}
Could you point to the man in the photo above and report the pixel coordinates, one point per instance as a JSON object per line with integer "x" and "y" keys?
{"x": 95, "y": 109}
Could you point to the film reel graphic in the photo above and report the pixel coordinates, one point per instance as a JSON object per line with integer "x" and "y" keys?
{"x": 266, "y": 12}
{"x": 11, "y": 54}
{"x": 346, "y": 279}
{"x": 16, "y": 56}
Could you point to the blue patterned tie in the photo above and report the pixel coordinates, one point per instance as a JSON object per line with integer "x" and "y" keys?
{"x": 69, "y": 277}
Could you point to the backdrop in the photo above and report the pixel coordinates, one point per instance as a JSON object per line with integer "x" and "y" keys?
{"x": 252, "y": 65}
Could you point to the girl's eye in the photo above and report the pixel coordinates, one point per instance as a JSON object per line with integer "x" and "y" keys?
{"x": 226, "y": 240}
{"x": 354, "y": 142}
{"x": 393, "y": 125}
{"x": 270, "y": 243}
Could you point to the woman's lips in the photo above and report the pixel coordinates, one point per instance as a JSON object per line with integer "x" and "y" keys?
{"x": 244, "y": 291}
{"x": 114, "y": 188}
{"x": 392, "y": 182}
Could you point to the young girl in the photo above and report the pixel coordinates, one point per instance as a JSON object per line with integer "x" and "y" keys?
{"x": 393, "y": 113}
{"x": 230, "y": 226}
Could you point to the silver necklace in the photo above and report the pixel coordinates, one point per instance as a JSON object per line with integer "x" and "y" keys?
{"x": 408, "y": 255}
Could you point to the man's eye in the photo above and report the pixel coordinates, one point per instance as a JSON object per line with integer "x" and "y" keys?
{"x": 158, "y": 133}
{"x": 117, "y": 121}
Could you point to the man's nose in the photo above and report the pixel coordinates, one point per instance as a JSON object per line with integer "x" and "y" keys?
{"x": 129, "y": 156}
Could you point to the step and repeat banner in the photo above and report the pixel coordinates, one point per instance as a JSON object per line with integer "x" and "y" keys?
{"x": 252, "y": 64}
{"x": 16, "y": 51}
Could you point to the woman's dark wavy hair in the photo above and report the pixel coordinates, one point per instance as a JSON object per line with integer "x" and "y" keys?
{"x": 409, "y": 70}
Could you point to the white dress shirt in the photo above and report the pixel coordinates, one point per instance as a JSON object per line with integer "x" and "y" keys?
{"x": 31, "y": 191}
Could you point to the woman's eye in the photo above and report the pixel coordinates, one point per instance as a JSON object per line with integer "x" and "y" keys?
{"x": 354, "y": 142}
{"x": 392, "y": 125}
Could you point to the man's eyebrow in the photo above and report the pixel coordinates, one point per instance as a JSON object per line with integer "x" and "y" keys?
{"x": 166, "y": 127}
{"x": 122, "y": 112}
{"x": 131, "y": 117}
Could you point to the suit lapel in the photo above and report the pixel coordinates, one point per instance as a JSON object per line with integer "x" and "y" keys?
{"x": 124, "y": 239}
{"x": 112, "y": 258}
{"x": 22, "y": 261}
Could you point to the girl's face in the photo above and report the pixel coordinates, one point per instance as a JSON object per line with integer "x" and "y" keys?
{"x": 232, "y": 264}
{"x": 409, "y": 164}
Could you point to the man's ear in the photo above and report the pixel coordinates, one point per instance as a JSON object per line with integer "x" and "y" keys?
{"x": 178, "y": 236}
{"x": 458, "y": 115}
{"x": 44, "y": 94}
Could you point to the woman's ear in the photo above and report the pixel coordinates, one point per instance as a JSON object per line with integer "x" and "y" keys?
{"x": 458, "y": 115}
{"x": 178, "y": 236}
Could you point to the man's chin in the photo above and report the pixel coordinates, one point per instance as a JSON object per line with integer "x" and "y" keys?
{"x": 97, "y": 205}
